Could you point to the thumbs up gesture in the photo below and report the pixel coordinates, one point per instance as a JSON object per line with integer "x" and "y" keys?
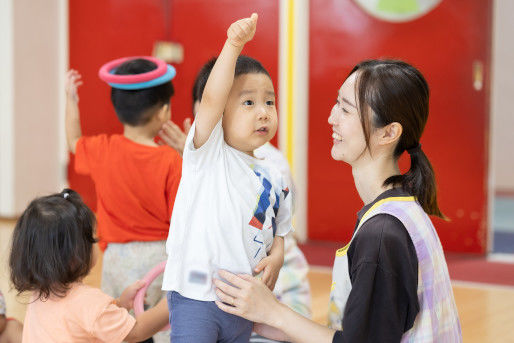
{"x": 242, "y": 31}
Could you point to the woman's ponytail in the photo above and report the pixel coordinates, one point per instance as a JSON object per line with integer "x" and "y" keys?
{"x": 419, "y": 181}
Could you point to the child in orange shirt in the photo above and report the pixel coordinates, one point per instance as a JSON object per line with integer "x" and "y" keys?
{"x": 136, "y": 180}
{"x": 52, "y": 251}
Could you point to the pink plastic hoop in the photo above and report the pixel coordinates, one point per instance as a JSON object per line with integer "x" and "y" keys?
{"x": 105, "y": 71}
{"x": 140, "y": 296}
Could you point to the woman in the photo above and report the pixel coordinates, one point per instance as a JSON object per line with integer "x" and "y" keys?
{"x": 391, "y": 282}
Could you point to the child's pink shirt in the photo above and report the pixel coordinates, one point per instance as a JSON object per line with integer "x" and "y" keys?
{"x": 85, "y": 314}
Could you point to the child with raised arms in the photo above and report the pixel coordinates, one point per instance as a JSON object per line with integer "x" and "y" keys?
{"x": 232, "y": 209}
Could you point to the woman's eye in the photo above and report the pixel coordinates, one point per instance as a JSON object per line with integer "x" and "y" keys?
{"x": 270, "y": 102}
{"x": 248, "y": 103}
{"x": 344, "y": 110}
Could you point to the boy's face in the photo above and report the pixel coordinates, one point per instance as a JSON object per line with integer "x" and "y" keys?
{"x": 250, "y": 117}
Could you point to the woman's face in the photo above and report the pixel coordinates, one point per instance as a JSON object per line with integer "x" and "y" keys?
{"x": 349, "y": 143}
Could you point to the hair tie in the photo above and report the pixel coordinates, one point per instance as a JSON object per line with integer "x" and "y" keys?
{"x": 414, "y": 150}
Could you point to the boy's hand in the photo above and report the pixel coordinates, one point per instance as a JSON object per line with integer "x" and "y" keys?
{"x": 73, "y": 81}
{"x": 271, "y": 266}
{"x": 172, "y": 135}
{"x": 242, "y": 31}
{"x": 126, "y": 298}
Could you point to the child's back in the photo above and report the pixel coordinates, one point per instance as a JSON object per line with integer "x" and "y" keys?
{"x": 136, "y": 180}
{"x": 88, "y": 315}
{"x": 135, "y": 185}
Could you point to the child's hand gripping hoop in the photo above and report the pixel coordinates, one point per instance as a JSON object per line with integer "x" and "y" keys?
{"x": 140, "y": 296}
{"x": 162, "y": 74}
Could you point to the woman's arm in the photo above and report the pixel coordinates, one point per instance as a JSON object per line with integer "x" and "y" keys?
{"x": 254, "y": 301}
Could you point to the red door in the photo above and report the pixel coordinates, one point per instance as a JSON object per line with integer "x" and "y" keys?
{"x": 100, "y": 31}
{"x": 450, "y": 45}
{"x": 103, "y": 30}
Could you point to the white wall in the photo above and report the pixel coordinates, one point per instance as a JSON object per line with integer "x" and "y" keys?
{"x": 502, "y": 96}
{"x": 32, "y": 155}
{"x": 6, "y": 108}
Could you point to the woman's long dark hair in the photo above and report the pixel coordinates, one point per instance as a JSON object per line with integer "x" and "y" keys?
{"x": 393, "y": 91}
{"x": 52, "y": 244}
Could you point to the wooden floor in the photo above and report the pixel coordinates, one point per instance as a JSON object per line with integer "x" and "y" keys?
{"x": 486, "y": 311}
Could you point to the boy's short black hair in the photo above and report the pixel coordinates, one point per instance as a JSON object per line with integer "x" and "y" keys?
{"x": 244, "y": 65}
{"x": 136, "y": 107}
{"x": 52, "y": 244}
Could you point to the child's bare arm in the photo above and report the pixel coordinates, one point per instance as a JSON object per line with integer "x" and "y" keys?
{"x": 149, "y": 322}
{"x": 272, "y": 263}
{"x": 221, "y": 78}
{"x": 72, "y": 123}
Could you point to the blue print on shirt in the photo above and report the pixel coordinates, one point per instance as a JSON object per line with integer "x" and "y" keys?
{"x": 259, "y": 216}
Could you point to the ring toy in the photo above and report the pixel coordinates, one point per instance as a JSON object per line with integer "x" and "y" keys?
{"x": 140, "y": 296}
{"x": 106, "y": 72}
{"x": 169, "y": 75}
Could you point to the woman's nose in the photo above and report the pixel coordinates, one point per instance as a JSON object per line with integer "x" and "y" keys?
{"x": 331, "y": 117}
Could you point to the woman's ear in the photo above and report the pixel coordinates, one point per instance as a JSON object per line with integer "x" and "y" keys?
{"x": 390, "y": 134}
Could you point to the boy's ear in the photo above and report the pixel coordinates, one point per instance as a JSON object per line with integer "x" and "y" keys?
{"x": 162, "y": 115}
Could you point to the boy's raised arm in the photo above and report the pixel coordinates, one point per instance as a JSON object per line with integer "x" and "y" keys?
{"x": 220, "y": 80}
{"x": 72, "y": 121}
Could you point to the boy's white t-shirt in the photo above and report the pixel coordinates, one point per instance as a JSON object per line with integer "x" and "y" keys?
{"x": 227, "y": 209}
{"x": 273, "y": 156}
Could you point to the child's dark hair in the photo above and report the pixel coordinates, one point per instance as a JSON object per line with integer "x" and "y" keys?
{"x": 136, "y": 107}
{"x": 393, "y": 91}
{"x": 244, "y": 65}
{"x": 52, "y": 244}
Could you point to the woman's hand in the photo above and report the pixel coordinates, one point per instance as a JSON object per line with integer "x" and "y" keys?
{"x": 249, "y": 298}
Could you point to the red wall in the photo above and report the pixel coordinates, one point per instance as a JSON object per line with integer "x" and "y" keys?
{"x": 443, "y": 45}
{"x": 103, "y": 30}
